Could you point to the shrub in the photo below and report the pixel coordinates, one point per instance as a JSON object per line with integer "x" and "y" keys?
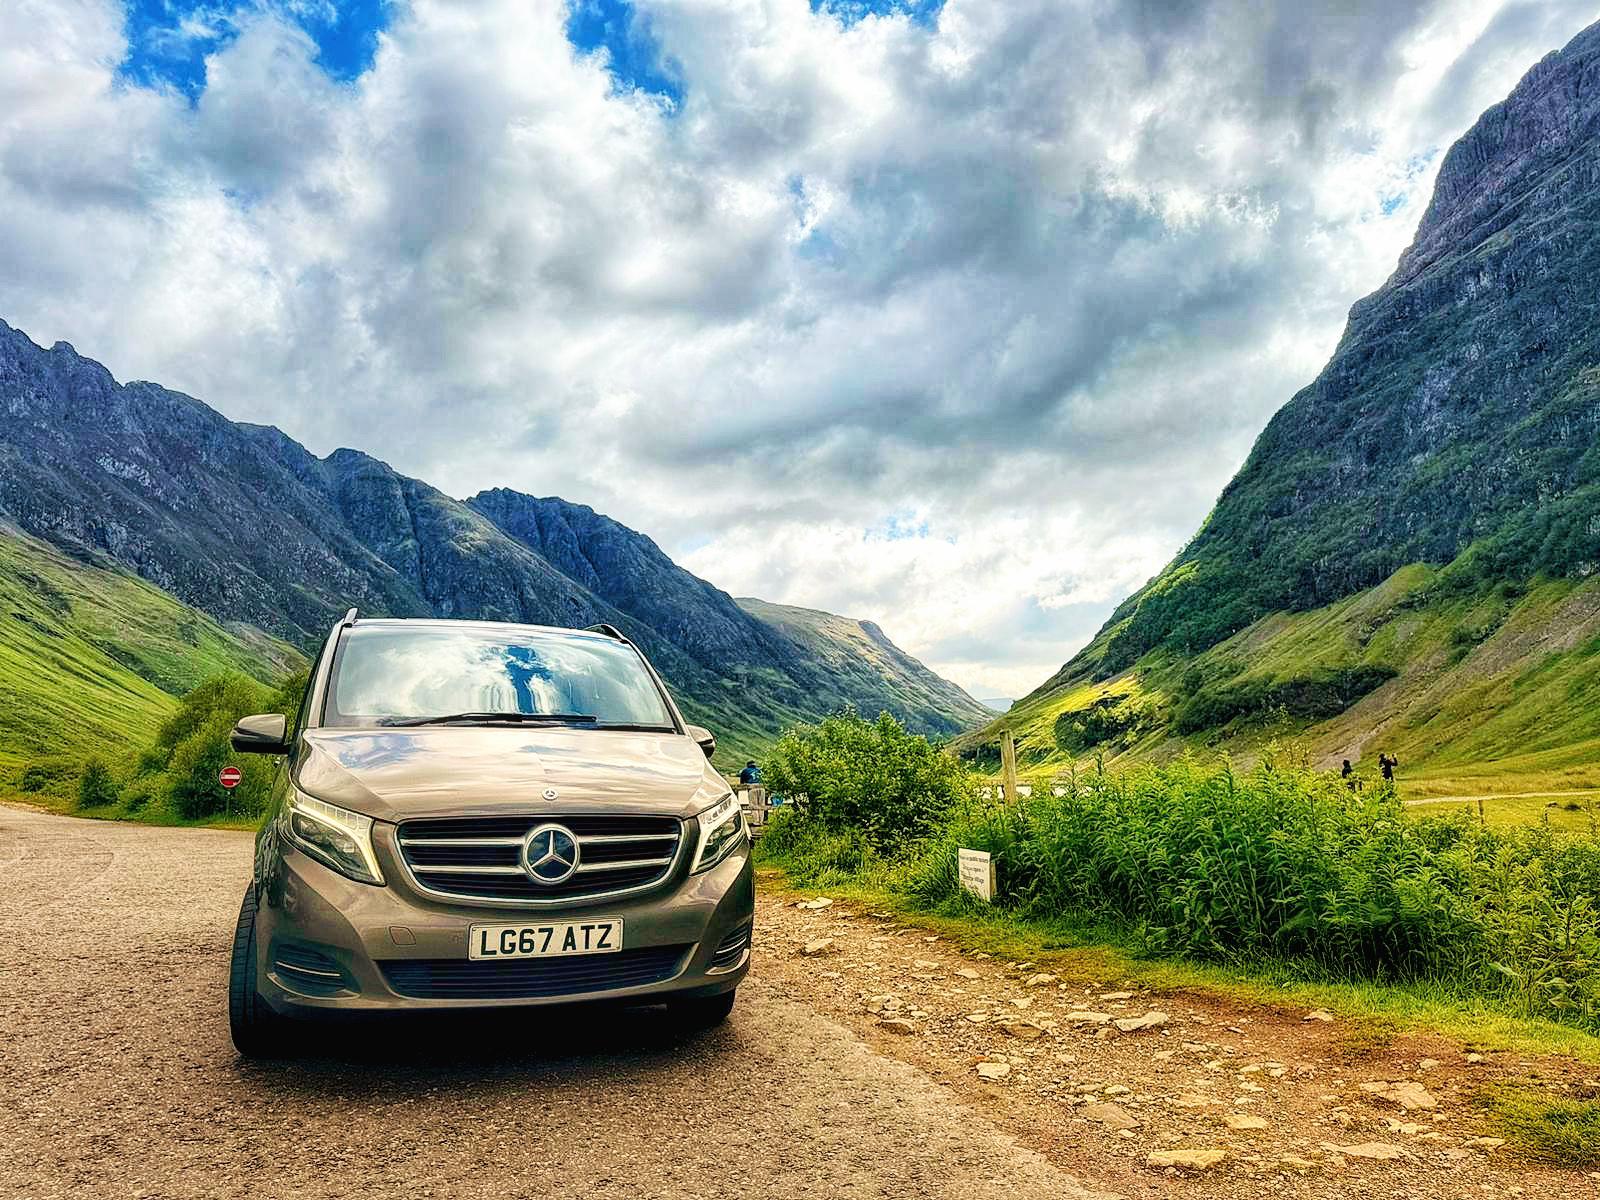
{"x": 1288, "y": 864}
{"x": 822, "y": 857}
{"x": 870, "y": 779}
{"x": 54, "y": 775}
{"x": 96, "y": 787}
{"x": 179, "y": 769}
{"x": 1321, "y": 694}
{"x": 1105, "y": 719}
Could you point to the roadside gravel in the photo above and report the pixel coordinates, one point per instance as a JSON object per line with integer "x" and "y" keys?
{"x": 1165, "y": 1095}
{"x": 117, "y": 1077}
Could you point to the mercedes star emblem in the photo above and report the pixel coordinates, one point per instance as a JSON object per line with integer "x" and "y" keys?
{"x": 550, "y": 854}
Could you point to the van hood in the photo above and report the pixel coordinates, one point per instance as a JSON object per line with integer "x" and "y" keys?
{"x": 396, "y": 774}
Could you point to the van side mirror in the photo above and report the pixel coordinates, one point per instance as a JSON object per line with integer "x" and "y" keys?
{"x": 707, "y": 739}
{"x": 264, "y": 733}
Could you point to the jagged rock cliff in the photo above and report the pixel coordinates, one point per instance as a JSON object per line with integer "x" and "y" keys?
{"x": 1461, "y": 407}
{"x": 247, "y": 525}
{"x": 1407, "y": 560}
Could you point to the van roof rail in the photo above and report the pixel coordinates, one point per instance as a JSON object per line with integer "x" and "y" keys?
{"x": 349, "y": 618}
{"x": 610, "y": 631}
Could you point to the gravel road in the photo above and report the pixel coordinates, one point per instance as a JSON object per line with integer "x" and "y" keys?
{"x": 117, "y": 1077}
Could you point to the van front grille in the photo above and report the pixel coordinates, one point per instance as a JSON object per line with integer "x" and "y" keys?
{"x": 531, "y": 978}
{"x": 479, "y": 858}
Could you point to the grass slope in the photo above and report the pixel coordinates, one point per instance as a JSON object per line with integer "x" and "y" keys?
{"x": 865, "y": 662}
{"x": 1496, "y": 691}
{"x": 91, "y": 659}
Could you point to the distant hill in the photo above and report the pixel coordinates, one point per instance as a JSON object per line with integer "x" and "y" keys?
{"x": 1404, "y": 560}
{"x": 244, "y": 524}
{"x": 92, "y": 658}
{"x": 864, "y": 668}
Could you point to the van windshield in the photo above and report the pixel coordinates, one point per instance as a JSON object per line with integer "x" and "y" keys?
{"x": 384, "y": 675}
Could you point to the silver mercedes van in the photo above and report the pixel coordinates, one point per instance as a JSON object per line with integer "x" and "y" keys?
{"x": 472, "y": 815}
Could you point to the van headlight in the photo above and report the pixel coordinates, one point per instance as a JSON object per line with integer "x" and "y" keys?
{"x": 721, "y": 832}
{"x": 335, "y": 837}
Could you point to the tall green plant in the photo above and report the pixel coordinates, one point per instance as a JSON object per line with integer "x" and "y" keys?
{"x": 870, "y": 778}
{"x": 1290, "y": 864}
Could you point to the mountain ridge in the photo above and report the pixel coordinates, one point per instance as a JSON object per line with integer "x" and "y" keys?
{"x": 1453, "y": 439}
{"x": 242, "y": 522}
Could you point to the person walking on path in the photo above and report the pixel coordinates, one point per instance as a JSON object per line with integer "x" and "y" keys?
{"x": 1348, "y": 774}
{"x": 1386, "y": 764}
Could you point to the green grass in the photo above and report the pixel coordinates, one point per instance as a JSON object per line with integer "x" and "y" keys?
{"x": 1547, "y": 1128}
{"x": 1497, "y": 693}
{"x": 1566, "y": 813}
{"x": 153, "y": 816}
{"x": 92, "y": 659}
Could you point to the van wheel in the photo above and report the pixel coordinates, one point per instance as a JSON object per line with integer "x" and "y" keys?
{"x": 257, "y": 1030}
{"x": 701, "y": 1012}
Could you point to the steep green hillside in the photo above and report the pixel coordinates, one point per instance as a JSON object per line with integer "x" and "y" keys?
{"x": 861, "y": 666}
{"x": 1401, "y": 563}
{"x": 91, "y": 658}
{"x": 1475, "y": 689}
{"x": 1461, "y": 407}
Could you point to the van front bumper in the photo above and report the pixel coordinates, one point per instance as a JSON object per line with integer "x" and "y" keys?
{"x": 327, "y": 945}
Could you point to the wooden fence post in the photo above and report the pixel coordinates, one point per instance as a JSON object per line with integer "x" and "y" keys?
{"x": 1008, "y": 765}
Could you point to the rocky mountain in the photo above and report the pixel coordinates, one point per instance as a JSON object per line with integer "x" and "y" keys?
{"x": 864, "y": 668}
{"x": 1456, "y": 430}
{"x": 246, "y": 525}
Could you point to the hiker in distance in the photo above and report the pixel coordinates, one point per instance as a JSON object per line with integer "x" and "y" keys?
{"x": 1386, "y": 764}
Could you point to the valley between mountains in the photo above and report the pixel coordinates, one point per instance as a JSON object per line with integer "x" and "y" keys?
{"x": 147, "y": 542}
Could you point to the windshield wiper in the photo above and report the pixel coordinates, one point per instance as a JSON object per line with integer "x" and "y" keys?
{"x": 489, "y": 718}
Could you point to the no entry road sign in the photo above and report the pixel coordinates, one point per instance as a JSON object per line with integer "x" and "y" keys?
{"x": 230, "y": 777}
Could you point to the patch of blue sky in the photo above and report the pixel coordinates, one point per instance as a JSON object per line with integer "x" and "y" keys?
{"x": 923, "y": 12}
{"x": 169, "y": 40}
{"x": 813, "y": 241}
{"x": 633, "y": 55}
{"x": 1415, "y": 169}
{"x": 898, "y": 527}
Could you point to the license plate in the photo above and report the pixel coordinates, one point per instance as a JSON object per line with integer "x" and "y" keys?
{"x": 548, "y": 939}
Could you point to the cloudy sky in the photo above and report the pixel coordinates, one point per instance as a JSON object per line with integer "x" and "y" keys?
{"x": 953, "y": 316}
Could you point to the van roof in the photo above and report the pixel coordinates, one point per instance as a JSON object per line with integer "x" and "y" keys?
{"x": 598, "y": 633}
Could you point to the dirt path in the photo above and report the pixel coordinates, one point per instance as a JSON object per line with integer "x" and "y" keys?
{"x": 1296, "y": 1105}
{"x": 117, "y": 1079}
{"x": 1499, "y": 796}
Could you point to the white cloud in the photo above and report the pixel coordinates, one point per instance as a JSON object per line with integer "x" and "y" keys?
{"x": 1032, "y": 277}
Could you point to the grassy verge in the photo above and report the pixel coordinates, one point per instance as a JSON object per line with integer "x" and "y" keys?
{"x": 1562, "y": 1130}
{"x": 42, "y": 802}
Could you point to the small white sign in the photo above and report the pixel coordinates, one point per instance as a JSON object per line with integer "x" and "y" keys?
{"x": 977, "y": 873}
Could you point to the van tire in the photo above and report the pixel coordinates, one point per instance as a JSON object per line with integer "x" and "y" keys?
{"x": 257, "y": 1030}
{"x": 701, "y": 1012}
